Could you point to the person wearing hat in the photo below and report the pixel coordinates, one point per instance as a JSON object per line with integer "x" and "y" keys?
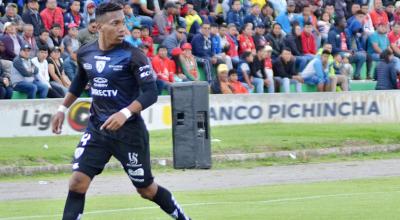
{"x": 11, "y": 41}
{"x": 70, "y": 41}
{"x": 164, "y": 22}
{"x": 89, "y": 10}
{"x": 221, "y": 85}
{"x": 285, "y": 18}
{"x": 164, "y": 68}
{"x": 188, "y": 63}
{"x": 31, "y": 16}
{"x": 24, "y": 75}
{"x": 74, "y": 16}
{"x": 52, "y": 14}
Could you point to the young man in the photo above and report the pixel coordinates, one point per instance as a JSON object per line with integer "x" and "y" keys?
{"x": 164, "y": 69}
{"x": 122, "y": 85}
{"x": 317, "y": 72}
{"x": 285, "y": 72}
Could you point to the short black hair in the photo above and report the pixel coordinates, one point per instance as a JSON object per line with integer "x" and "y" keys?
{"x": 161, "y": 47}
{"x": 92, "y": 20}
{"x": 43, "y": 48}
{"x": 246, "y": 54}
{"x": 287, "y": 49}
{"x": 307, "y": 23}
{"x": 43, "y": 30}
{"x": 232, "y": 71}
{"x": 136, "y": 28}
{"x": 360, "y": 12}
{"x": 106, "y": 7}
{"x": 260, "y": 48}
{"x": 326, "y": 52}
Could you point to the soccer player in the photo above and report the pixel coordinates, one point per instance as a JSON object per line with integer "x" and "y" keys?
{"x": 122, "y": 85}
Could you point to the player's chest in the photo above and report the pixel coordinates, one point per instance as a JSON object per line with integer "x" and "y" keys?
{"x": 112, "y": 67}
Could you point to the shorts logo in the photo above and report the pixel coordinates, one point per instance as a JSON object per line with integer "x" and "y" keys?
{"x": 138, "y": 172}
{"x": 78, "y": 152}
{"x": 78, "y": 116}
{"x": 100, "y": 65}
{"x": 133, "y": 161}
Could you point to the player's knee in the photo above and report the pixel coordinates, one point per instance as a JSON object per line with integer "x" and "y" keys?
{"x": 79, "y": 183}
{"x": 148, "y": 192}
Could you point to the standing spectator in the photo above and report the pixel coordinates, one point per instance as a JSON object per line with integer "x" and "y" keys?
{"x": 88, "y": 34}
{"x": 56, "y": 69}
{"x": 378, "y": 15}
{"x": 135, "y": 37}
{"x": 235, "y": 15}
{"x": 394, "y": 38}
{"x": 71, "y": 65}
{"x": 254, "y": 17}
{"x": 89, "y": 12}
{"x": 175, "y": 39}
{"x": 308, "y": 40}
{"x": 285, "y": 71}
{"x": 43, "y": 39}
{"x": 163, "y": 22}
{"x": 276, "y": 40}
{"x": 70, "y": 41}
{"x": 220, "y": 85}
{"x": 378, "y": 42}
{"x": 164, "y": 68}
{"x": 340, "y": 44}
{"x": 235, "y": 85}
{"x": 131, "y": 20}
{"x": 317, "y": 72}
{"x": 40, "y": 61}
{"x": 32, "y": 16}
{"x": 24, "y": 75}
{"x": 6, "y": 89}
{"x": 259, "y": 36}
{"x": 11, "y": 41}
{"x": 55, "y": 37}
{"x": 27, "y": 37}
{"x": 74, "y": 16}
{"x": 246, "y": 42}
{"x": 386, "y": 74}
{"x": 52, "y": 15}
{"x": 285, "y": 18}
{"x": 12, "y": 16}
{"x": 188, "y": 62}
{"x": 147, "y": 40}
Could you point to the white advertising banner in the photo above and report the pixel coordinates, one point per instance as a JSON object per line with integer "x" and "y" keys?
{"x": 33, "y": 117}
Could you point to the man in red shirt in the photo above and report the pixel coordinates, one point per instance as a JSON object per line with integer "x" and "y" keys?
{"x": 394, "y": 38}
{"x": 378, "y": 15}
{"x": 308, "y": 40}
{"x": 164, "y": 69}
{"x": 52, "y": 14}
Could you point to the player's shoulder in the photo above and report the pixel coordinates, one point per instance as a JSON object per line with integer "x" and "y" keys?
{"x": 87, "y": 48}
{"x": 137, "y": 55}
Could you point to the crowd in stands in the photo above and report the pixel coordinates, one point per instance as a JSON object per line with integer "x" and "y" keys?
{"x": 238, "y": 46}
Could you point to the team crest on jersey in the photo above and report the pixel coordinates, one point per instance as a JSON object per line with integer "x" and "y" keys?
{"x": 100, "y": 65}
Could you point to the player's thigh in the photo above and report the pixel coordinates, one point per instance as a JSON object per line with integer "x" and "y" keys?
{"x": 91, "y": 154}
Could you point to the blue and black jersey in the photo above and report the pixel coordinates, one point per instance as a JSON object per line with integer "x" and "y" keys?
{"x": 117, "y": 77}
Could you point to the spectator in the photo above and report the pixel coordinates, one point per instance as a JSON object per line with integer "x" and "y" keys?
{"x": 43, "y": 39}
{"x": 244, "y": 74}
{"x": 286, "y": 18}
{"x": 55, "y": 37}
{"x": 175, "y": 39}
{"x": 305, "y": 16}
{"x": 147, "y": 40}
{"x": 220, "y": 85}
{"x": 324, "y": 25}
{"x": 390, "y": 10}
{"x": 386, "y": 73}
{"x": 27, "y": 37}
{"x": 6, "y": 65}
{"x": 235, "y": 85}
{"x": 394, "y": 39}
{"x": 163, "y": 22}
{"x": 12, "y": 16}
{"x": 367, "y": 23}
{"x": 193, "y": 20}
{"x": 231, "y": 38}
{"x": 135, "y": 37}
{"x": 40, "y": 61}
{"x": 175, "y": 57}
{"x": 71, "y": 65}
{"x": 217, "y": 46}
{"x": 285, "y": 71}
{"x": 32, "y": 16}
{"x": 269, "y": 69}
{"x": 73, "y": 16}
{"x": 317, "y": 72}
{"x": 70, "y": 41}
{"x": 246, "y": 42}
{"x": 235, "y": 15}
{"x": 378, "y": 42}
{"x": 276, "y": 40}
{"x": 88, "y": 34}
{"x": 11, "y": 41}
{"x": 142, "y": 10}
{"x": 52, "y": 15}
{"x": 164, "y": 68}
{"x": 131, "y": 20}
{"x": 24, "y": 75}
{"x": 341, "y": 44}
{"x": 89, "y": 11}
{"x": 254, "y": 17}
{"x": 189, "y": 64}
{"x": 258, "y": 74}
{"x": 259, "y": 36}
{"x": 339, "y": 72}
{"x": 56, "y": 69}
{"x": 378, "y": 15}
{"x": 268, "y": 14}
{"x": 294, "y": 41}
{"x": 6, "y": 89}
{"x": 202, "y": 49}
{"x": 308, "y": 40}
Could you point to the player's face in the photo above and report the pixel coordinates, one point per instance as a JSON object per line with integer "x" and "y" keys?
{"x": 112, "y": 27}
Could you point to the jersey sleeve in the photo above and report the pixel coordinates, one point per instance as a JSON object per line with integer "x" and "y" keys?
{"x": 80, "y": 80}
{"x": 142, "y": 70}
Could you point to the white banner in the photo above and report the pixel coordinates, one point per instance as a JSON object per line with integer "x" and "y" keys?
{"x": 33, "y": 117}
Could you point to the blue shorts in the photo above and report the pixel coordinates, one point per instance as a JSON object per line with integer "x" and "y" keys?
{"x": 315, "y": 80}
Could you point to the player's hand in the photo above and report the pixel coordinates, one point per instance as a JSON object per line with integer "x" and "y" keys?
{"x": 57, "y": 122}
{"x": 114, "y": 122}
{"x": 6, "y": 82}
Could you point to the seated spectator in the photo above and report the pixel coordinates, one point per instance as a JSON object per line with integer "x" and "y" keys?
{"x": 285, "y": 72}
{"x": 12, "y": 16}
{"x": 231, "y": 38}
{"x": 43, "y": 39}
{"x": 221, "y": 85}
{"x": 6, "y": 65}
{"x": 146, "y": 39}
{"x": 378, "y": 15}
{"x": 175, "y": 39}
{"x": 24, "y": 75}
{"x": 73, "y": 15}
{"x": 394, "y": 39}
{"x": 286, "y": 18}
{"x": 217, "y": 47}
{"x": 88, "y": 34}
{"x": 317, "y": 72}
{"x": 6, "y": 89}
{"x": 51, "y": 15}
{"x": 131, "y": 20}
{"x": 27, "y": 37}
{"x": 244, "y": 74}
{"x": 70, "y": 41}
{"x": 259, "y": 36}
{"x": 193, "y": 20}
{"x": 32, "y": 16}
{"x": 378, "y": 42}
{"x": 188, "y": 62}
{"x": 164, "y": 68}
{"x": 339, "y": 72}
{"x": 254, "y": 17}
{"x": 55, "y": 37}
{"x": 258, "y": 71}
{"x": 89, "y": 12}
{"x": 276, "y": 40}
{"x": 40, "y": 61}
{"x": 246, "y": 42}
{"x": 56, "y": 69}
{"x": 11, "y": 41}
{"x": 368, "y": 26}
{"x": 308, "y": 40}
{"x": 324, "y": 25}
{"x": 143, "y": 11}
{"x": 163, "y": 22}
{"x": 294, "y": 41}
{"x": 386, "y": 74}
{"x": 175, "y": 57}
{"x": 134, "y": 38}
{"x": 71, "y": 65}
{"x": 235, "y": 15}
{"x": 235, "y": 85}
{"x": 269, "y": 71}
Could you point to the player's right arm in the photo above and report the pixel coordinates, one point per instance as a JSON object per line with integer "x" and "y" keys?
{"x": 78, "y": 85}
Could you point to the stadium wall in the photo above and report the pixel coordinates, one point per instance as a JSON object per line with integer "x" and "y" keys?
{"x": 33, "y": 117}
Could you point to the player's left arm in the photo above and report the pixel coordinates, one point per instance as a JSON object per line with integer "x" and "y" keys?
{"x": 143, "y": 72}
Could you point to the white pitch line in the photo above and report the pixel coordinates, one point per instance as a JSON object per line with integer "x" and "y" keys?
{"x": 206, "y": 203}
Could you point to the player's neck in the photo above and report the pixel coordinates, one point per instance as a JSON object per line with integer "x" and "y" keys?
{"x": 104, "y": 45}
